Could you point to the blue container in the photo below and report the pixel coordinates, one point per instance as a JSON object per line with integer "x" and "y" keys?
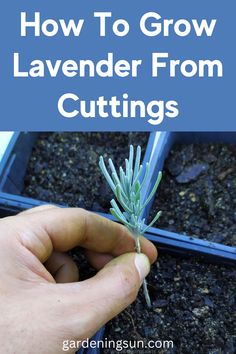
{"x": 173, "y": 241}
{"x": 12, "y": 171}
{"x": 13, "y": 167}
{"x": 166, "y": 140}
{"x": 14, "y": 164}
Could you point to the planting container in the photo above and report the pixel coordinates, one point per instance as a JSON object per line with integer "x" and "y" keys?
{"x": 14, "y": 163}
{"x": 13, "y": 167}
{"x": 165, "y": 141}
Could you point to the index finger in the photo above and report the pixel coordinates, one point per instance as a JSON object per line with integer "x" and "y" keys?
{"x": 62, "y": 229}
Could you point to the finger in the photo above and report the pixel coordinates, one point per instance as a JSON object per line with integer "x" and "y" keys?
{"x": 62, "y": 268}
{"x": 37, "y": 209}
{"x": 149, "y": 249}
{"x": 102, "y": 297}
{"x": 98, "y": 260}
{"x": 62, "y": 229}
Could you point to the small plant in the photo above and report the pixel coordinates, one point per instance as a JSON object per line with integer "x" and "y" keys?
{"x": 127, "y": 188}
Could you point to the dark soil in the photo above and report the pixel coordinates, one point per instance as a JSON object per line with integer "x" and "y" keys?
{"x": 64, "y": 168}
{"x": 193, "y": 306}
{"x": 198, "y": 192}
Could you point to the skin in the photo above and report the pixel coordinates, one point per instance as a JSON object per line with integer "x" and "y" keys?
{"x": 42, "y": 303}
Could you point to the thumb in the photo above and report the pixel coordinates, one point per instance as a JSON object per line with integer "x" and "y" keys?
{"x": 110, "y": 291}
{"x": 119, "y": 281}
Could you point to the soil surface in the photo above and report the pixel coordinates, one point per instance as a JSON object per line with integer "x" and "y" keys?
{"x": 197, "y": 193}
{"x": 193, "y": 306}
{"x": 63, "y": 167}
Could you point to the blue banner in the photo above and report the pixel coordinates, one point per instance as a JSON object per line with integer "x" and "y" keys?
{"x": 117, "y": 65}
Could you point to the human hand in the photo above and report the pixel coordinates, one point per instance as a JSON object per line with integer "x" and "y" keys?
{"x": 41, "y": 301}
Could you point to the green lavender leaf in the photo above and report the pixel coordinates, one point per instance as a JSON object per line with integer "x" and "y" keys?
{"x": 127, "y": 189}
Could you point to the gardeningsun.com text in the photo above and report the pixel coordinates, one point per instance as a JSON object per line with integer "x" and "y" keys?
{"x": 117, "y": 345}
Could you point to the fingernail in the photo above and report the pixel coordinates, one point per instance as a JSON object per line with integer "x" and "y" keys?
{"x": 142, "y": 264}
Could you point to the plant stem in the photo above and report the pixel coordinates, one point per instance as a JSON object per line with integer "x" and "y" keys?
{"x": 145, "y": 289}
{"x": 146, "y": 294}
